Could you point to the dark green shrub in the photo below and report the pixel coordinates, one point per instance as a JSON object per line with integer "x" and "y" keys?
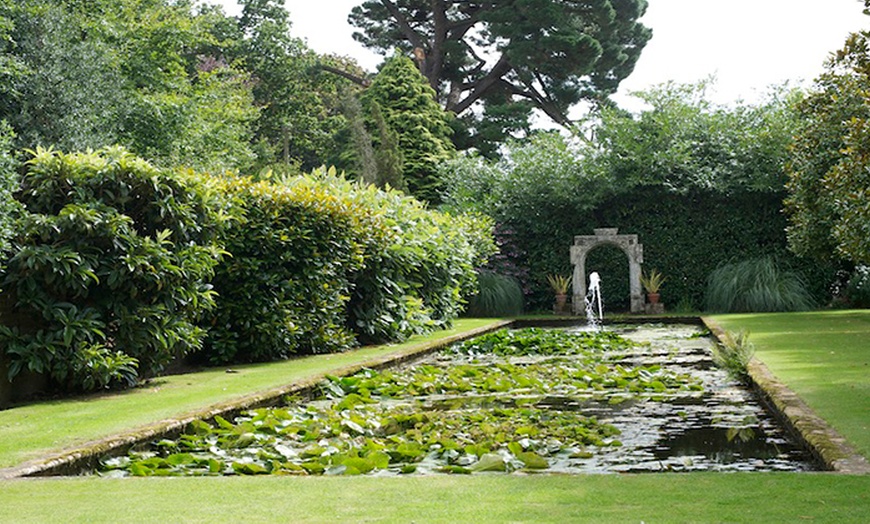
{"x": 9, "y": 207}
{"x": 418, "y": 264}
{"x": 284, "y": 288}
{"x": 858, "y": 288}
{"x": 497, "y": 296}
{"x": 756, "y": 285}
{"x": 111, "y": 268}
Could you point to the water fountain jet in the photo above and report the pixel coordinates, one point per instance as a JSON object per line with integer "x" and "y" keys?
{"x": 593, "y": 302}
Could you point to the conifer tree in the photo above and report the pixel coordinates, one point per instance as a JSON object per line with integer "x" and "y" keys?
{"x": 410, "y": 110}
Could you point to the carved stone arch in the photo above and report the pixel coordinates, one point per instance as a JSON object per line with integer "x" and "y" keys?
{"x": 583, "y": 244}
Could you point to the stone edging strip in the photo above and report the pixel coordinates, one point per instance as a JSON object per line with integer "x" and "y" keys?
{"x": 822, "y": 440}
{"x": 86, "y": 455}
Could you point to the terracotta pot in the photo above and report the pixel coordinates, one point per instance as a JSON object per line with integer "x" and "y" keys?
{"x": 561, "y": 302}
{"x": 652, "y": 298}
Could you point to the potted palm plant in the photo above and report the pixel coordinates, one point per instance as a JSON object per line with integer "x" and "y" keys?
{"x": 560, "y": 285}
{"x": 652, "y": 283}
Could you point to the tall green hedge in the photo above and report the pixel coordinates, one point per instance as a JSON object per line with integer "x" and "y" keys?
{"x": 685, "y": 236}
{"x": 285, "y": 285}
{"x": 418, "y": 264}
{"x": 119, "y": 268}
{"x": 111, "y": 268}
{"x": 318, "y": 263}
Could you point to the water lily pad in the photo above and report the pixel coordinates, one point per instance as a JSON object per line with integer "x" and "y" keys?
{"x": 489, "y": 462}
{"x": 532, "y": 460}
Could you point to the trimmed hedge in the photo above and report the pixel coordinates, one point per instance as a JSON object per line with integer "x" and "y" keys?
{"x": 111, "y": 268}
{"x": 418, "y": 264}
{"x": 285, "y": 286}
{"x": 120, "y": 268}
{"x": 685, "y": 236}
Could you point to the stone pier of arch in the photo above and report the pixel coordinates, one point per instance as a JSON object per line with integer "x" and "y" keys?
{"x": 583, "y": 244}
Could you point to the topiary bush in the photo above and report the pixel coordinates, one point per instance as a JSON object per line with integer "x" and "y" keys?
{"x": 756, "y": 285}
{"x": 111, "y": 270}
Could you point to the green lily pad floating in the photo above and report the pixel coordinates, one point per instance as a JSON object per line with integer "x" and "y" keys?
{"x": 455, "y": 415}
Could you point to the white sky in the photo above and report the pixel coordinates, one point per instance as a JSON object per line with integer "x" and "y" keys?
{"x": 748, "y": 45}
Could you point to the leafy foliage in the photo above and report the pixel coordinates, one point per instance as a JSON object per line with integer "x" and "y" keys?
{"x": 9, "y": 207}
{"x": 685, "y": 143}
{"x": 756, "y": 285}
{"x": 478, "y": 423}
{"x": 111, "y": 268}
{"x": 299, "y": 120}
{"x": 318, "y": 262}
{"x": 285, "y": 288}
{"x": 734, "y": 353}
{"x": 699, "y": 184}
{"x": 828, "y": 200}
{"x": 418, "y": 264}
{"x": 858, "y": 287}
{"x": 174, "y": 81}
{"x": 537, "y": 341}
{"x": 511, "y": 54}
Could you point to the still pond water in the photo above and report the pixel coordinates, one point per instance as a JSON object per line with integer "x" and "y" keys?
{"x": 633, "y": 399}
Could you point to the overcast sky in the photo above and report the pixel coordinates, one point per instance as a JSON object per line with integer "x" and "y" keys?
{"x": 747, "y": 44}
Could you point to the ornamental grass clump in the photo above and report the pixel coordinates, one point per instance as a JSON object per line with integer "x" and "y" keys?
{"x": 497, "y": 296}
{"x": 756, "y": 285}
{"x": 733, "y": 354}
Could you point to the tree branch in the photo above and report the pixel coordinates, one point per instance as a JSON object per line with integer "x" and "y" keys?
{"x": 364, "y": 82}
{"x": 405, "y": 26}
{"x": 501, "y": 68}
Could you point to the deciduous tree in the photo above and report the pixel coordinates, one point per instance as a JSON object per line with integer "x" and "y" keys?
{"x": 829, "y": 186}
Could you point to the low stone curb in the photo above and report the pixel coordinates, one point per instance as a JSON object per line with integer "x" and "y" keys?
{"x": 823, "y": 441}
{"x": 87, "y": 456}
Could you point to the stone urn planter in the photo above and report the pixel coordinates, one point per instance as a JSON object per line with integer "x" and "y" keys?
{"x": 653, "y": 298}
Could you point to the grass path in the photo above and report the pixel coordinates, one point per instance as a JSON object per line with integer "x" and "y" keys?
{"x": 796, "y": 347}
{"x": 31, "y": 431}
{"x": 824, "y": 357}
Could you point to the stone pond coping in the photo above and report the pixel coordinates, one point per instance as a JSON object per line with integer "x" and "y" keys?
{"x": 820, "y": 439}
{"x": 823, "y": 441}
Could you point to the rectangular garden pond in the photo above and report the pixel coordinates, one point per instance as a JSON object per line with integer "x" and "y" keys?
{"x": 631, "y": 399}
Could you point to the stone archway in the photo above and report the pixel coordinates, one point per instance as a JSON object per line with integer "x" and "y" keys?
{"x": 583, "y": 244}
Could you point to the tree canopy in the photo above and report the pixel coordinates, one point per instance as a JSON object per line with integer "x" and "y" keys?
{"x": 544, "y": 54}
{"x": 172, "y": 80}
{"x": 829, "y": 185}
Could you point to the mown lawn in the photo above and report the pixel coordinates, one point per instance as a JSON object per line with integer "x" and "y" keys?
{"x": 824, "y": 357}
{"x": 654, "y": 498}
{"x": 796, "y": 347}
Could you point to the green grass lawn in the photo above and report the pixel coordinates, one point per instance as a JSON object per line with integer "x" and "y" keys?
{"x": 796, "y": 347}
{"x": 653, "y": 498}
{"x": 824, "y": 357}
